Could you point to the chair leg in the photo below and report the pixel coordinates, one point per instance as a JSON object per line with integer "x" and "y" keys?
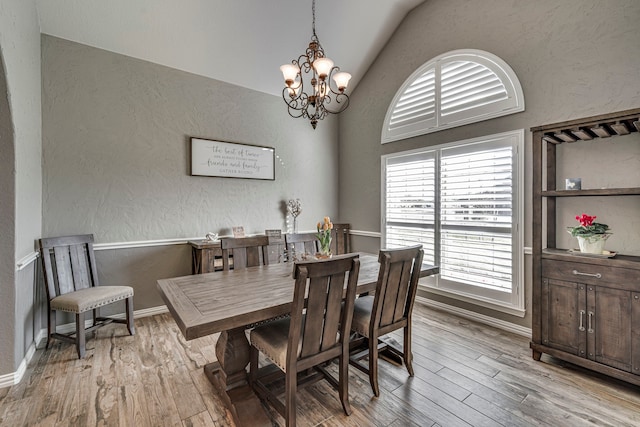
{"x": 130, "y": 325}
{"x": 343, "y": 390}
{"x": 408, "y": 355}
{"x": 80, "y": 335}
{"x": 373, "y": 365}
{"x": 290, "y": 398}
{"x": 52, "y": 326}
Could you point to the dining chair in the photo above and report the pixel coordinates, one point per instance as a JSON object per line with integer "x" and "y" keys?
{"x": 276, "y": 249}
{"x": 387, "y": 310}
{"x": 302, "y": 243}
{"x": 246, "y": 251}
{"x": 317, "y": 332}
{"x": 71, "y": 281}
{"x": 340, "y": 242}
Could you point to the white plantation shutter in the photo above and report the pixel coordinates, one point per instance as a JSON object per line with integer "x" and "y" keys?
{"x": 416, "y": 107}
{"x": 477, "y": 217}
{"x": 466, "y": 85}
{"x": 456, "y": 88}
{"x": 410, "y": 201}
{"x": 462, "y": 201}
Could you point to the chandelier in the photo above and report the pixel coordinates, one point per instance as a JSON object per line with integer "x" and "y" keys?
{"x": 308, "y": 92}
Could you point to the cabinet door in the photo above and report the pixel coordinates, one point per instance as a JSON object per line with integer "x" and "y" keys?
{"x": 609, "y": 326}
{"x": 635, "y": 333}
{"x": 563, "y": 315}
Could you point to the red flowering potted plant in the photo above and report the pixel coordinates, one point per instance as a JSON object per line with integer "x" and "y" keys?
{"x": 591, "y": 235}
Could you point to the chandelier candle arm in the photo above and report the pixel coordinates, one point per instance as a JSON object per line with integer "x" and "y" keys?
{"x": 318, "y": 70}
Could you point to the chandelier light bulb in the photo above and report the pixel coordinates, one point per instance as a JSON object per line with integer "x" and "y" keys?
{"x": 323, "y": 67}
{"x": 342, "y": 80}
{"x": 289, "y": 71}
{"x": 320, "y": 90}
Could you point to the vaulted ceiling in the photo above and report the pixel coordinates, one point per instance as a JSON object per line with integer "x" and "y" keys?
{"x": 242, "y": 42}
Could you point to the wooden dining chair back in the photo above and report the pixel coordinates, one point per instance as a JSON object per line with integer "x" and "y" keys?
{"x": 387, "y": 310}
{"x": 246, "y": 252}
{"x": 300, "y": 244}
{"x": 71, "y": 281}
{"x": 340, "y": 241}
{"x": 276, "y": 249}
{"x": 317, "y": 332}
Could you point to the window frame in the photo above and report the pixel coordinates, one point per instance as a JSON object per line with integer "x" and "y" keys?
{"x": 515, "y": 304}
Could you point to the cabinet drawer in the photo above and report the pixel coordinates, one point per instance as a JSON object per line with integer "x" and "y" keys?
{"x": 622, "y": 278}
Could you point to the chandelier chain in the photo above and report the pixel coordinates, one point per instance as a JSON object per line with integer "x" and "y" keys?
{"x": 313, "y": 14}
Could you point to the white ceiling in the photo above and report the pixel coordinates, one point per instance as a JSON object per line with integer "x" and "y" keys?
{"x": 243, "y": 42}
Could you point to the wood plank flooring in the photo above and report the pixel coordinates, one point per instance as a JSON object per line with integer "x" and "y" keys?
{"x": 466, "y": 374}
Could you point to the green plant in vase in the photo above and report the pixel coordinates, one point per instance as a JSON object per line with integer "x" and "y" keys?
{"x": 324, "y": 236}
{"x": 591, "y": 235}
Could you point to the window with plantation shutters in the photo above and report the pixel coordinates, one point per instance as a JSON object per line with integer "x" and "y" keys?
{"x": 410, "y": 202}
{"x": 476, "y": 193}
{"x": 453, "y": 89}
{"x": 463, "y": 203}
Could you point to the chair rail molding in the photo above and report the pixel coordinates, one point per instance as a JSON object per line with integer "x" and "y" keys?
{"x": 26, "y": 260}
{"x": 143, "y": 243}
{"x": 364, "y": 233}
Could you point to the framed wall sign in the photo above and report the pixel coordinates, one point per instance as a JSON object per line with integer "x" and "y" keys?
{"x": 232, "y": 160}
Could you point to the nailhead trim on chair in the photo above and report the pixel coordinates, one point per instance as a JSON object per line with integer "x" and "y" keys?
{"x": 71, "y": 302}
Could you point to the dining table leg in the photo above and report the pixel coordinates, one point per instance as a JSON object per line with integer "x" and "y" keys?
{"x": 229, "y": 376}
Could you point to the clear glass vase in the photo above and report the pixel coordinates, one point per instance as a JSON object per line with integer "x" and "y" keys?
{"x": 325, "y": 250}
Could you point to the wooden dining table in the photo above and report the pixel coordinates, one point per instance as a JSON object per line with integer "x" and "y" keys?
{"x": 232, "y": 301}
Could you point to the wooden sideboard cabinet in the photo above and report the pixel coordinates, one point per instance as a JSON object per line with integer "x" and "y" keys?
{"x": 586, "y": 309}
{"x": 592, "y": 311}
{"x": 206, "y": 256}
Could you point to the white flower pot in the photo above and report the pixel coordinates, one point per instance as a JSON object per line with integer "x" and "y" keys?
{"x": 592, "y": 244}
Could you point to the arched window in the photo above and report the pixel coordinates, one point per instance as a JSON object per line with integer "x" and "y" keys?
{"x": 453, "y": 89}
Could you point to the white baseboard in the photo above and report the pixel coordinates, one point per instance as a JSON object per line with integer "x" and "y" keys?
{"x": 13, "y": 378}
{"x": 480, "y": 318}
{"x": 40, "y": 341}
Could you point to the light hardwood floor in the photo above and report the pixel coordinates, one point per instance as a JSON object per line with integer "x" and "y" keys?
{"x": 466, "y": 374}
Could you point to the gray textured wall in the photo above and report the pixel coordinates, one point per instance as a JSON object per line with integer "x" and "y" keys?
{"x": 116, "y": 160}
{"x": 20, "y": 218}
{"x": 7, "y": 218}
{"x": 574, "y": 58}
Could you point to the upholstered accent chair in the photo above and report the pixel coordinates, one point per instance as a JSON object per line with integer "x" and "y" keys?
{"x": 71, "y": 280}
